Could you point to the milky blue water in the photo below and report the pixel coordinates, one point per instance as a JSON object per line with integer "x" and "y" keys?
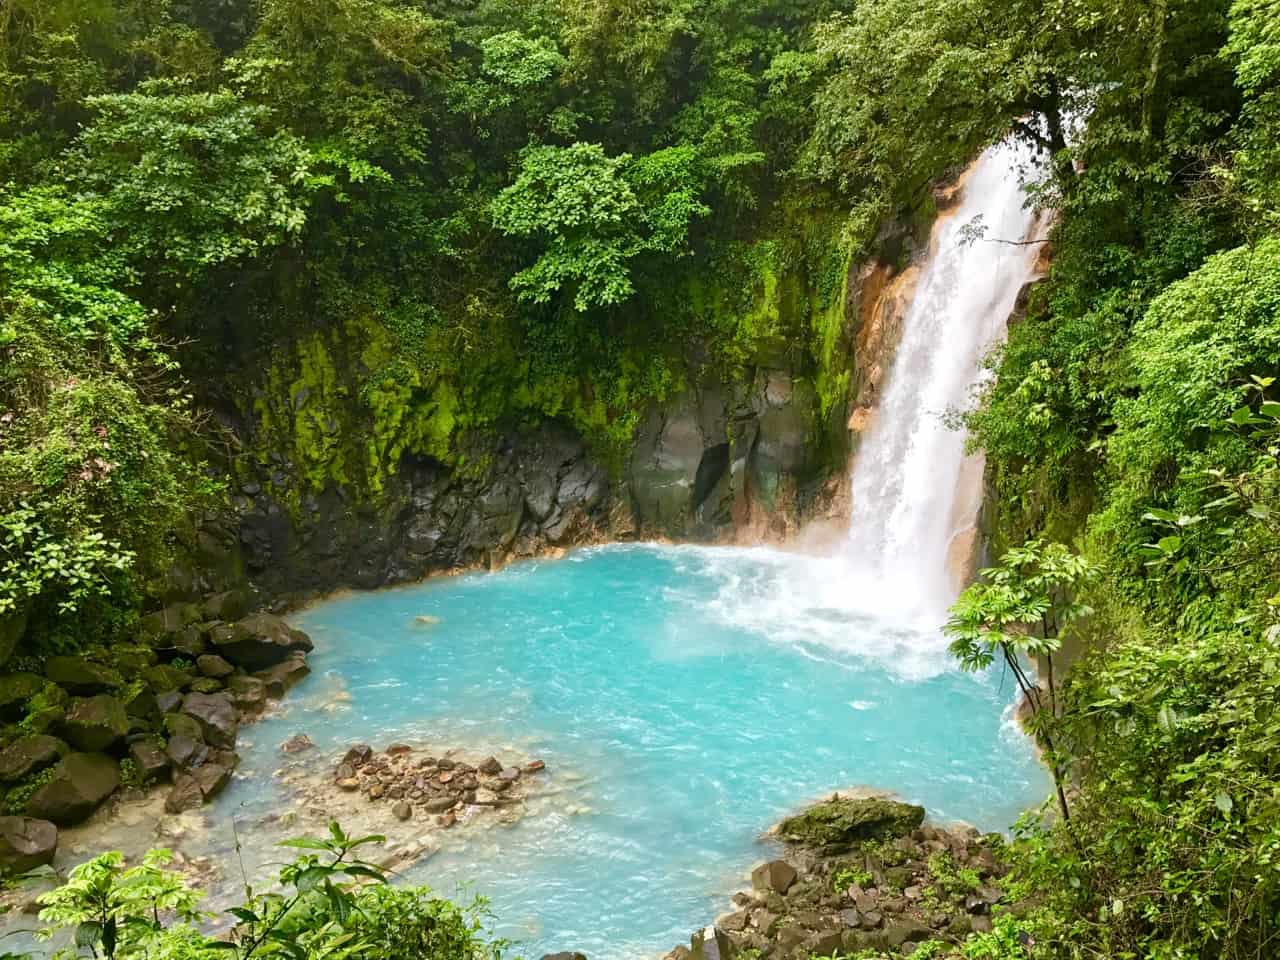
{"x": 683, "y": 699}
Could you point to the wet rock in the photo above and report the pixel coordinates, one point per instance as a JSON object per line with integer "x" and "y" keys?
{"x": 509, "y": 774}
{"x": 80, "y": 783}
{"x": 259, "y": 641}
{"x": 284, "y": 675}
{"x": 776, "y": 876}
{"x": 567, "y": 955}
{"x": 26, "y": 843}
{"x": 298, "y": 743}
{"x": 217, "y": 716}
{"x": 402, "y": 811}
{"x": 81, "y": 676}
{"x": 438, "y": 804}
{"x": 535, "y": 766}
{"x": 490, "y": 767}
{"x": 358, "y": 755}
{"x": 152, "y": 762}
{"x": 843, "y": 822}
{"x": 399, "y": 750}
{"x": 206, "y": 685}
{"x": 30, "y": 755}
{"x": 95, "y": 723}
{"x": 349, "y": 784}
{"x": 377, "y": 791}
{"x": 212, "y": 665}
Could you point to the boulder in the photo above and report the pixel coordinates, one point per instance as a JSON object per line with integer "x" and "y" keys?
{"x": 212, "y": 665}
{"x": 490, "y": 767}
{"x": 187, "y": 643}
{"x": 142, "y": 704}
{"x": 181, "y": 725}
{"x": 95, "y": 723}
{"x": 284, "y": 675}
{"x": 840, "y": 822}
{"x": 248, "y": 693}
{"x": 358, "y": 755}
{"x": 218, "y": 718}
{"x": 151, "y": 761}
{"x": 259, "y": 641}
{"x": 26, "y": 843}
{"x": 16, "y": 690}
{"x": 80, "y": 676}
{"x": 30, "y": 755}
{"x": 297, "y": 744}
{"x": 80, "y": 783}
{"x": 212, "y": 777}
{"x": 776, "y": 876}
{"x": 165, "y": 679}
{"x": 12, "y": 627}
{"x": 206, "y": 685}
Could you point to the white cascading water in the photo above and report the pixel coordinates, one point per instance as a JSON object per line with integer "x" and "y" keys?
{"x": 884, "y": 593}
{"x": 914, "y": 489}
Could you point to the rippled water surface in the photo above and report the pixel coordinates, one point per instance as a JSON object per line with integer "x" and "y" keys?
{"x": 683, "y": 699}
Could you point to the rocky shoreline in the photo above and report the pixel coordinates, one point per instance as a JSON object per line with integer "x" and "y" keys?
{"x": 166, "y": 709}
{"x": 861, "y": 876}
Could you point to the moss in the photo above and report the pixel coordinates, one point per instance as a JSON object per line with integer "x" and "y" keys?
{"x": 844, "y": 822}
{"x": 16, "y": 797}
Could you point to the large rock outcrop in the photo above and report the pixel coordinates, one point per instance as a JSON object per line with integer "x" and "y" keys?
{"x": 80, "y": 783}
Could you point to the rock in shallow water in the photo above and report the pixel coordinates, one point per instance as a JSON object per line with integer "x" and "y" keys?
{"x": 843, "y": 822}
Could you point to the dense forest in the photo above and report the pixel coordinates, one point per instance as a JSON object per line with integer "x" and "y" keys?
{"x": 513, "y": 212}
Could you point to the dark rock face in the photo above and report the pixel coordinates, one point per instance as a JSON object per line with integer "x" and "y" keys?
{"x": 698, "y": 463}
{"x": 280, "y": 678}
{"x": 842, "y": 822}
{"x": 776, "y": 876}
{"x": 96, "y": 723}
{"x": 26, "y": 843}
{"x": 81, "y": 781}
{"x": 30, "y": 755}
{"x": 152, "y": 762}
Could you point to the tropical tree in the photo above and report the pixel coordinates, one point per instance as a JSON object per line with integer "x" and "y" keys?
{"x": 1018, "y": 610}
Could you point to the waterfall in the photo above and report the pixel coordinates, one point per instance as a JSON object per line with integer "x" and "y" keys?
{"x": 883, "y": 593}
{"x": 916, "y": 494}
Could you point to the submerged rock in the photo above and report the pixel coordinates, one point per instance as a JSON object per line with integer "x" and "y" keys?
{"x": 843, "y": 822}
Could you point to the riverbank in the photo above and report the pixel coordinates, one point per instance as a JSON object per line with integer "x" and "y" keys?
{"x": 862, "y": 876}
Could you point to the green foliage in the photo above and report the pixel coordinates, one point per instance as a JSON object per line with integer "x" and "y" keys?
{"x": 847, "y": 877}
{"x": 331, "y": 904}
{"x": 16, "y": 797}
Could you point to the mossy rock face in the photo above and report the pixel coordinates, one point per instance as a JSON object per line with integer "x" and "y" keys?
{"x": 841, "y": 823}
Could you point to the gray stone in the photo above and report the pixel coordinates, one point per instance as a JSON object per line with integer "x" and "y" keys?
{"x": 95, "y": 723}
{"x": 711, "y": 944}
{"x": 402, "y": 811}
{"x": 358, "y": 755}
{"x": 218, "y": 718}
{"x": 26, "y": 843}
{"x": 184, "y": 795}
{"x": 212, "y": 777}
{"x": 297, "y": 744}
{"x": 438, "y": 804}
{"x": 80, "y": 783}
{"x": 248, "y": 693}
{"x": 490, "y": 767}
